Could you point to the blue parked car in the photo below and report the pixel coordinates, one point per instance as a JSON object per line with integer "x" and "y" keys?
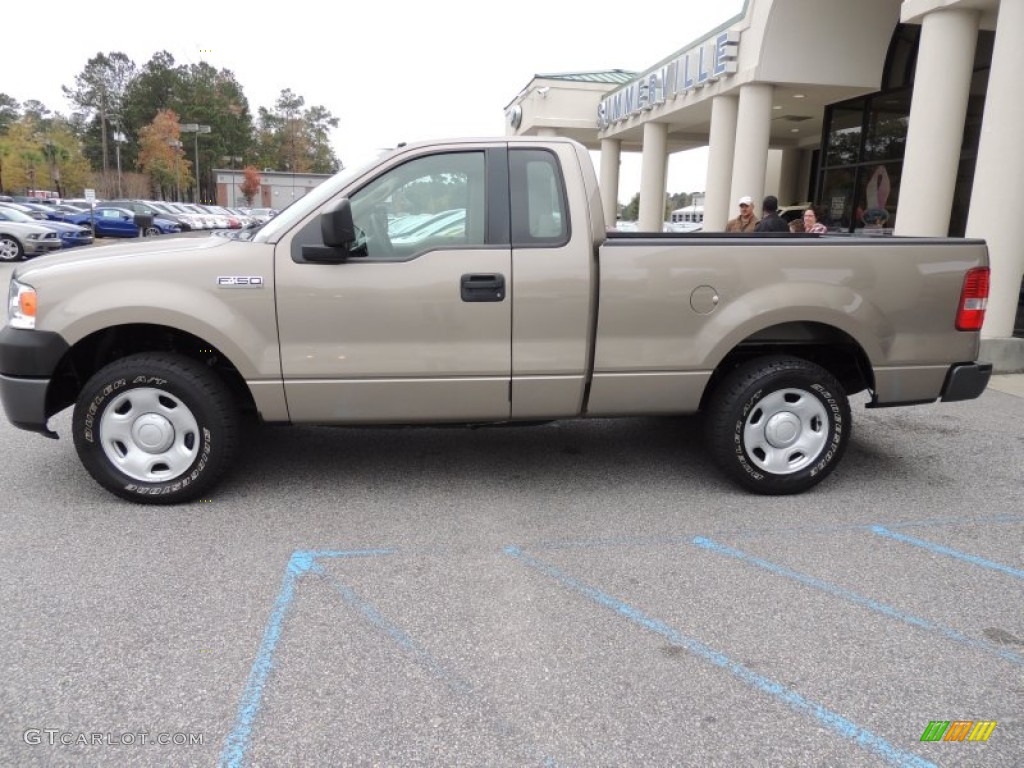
{"x": 70, "y": 234}
{"x": 110, "y": 221}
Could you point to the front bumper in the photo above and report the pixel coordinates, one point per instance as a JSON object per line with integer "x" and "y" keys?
{"x": 70, "y": 239}
{"x": 40, "y": 247}
{"x": 24, "y": 402}
{"x": 28, "y": 359}
{"x": 966, "y": 381}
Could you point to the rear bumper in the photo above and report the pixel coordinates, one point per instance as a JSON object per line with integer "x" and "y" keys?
{"x": 966, "y": 381}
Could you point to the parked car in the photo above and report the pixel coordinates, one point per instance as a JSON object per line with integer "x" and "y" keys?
{"x": 147, "y": 208}
{"x": 70, "y": 209}
{"x": 163, "y": 227}
{"x": 28, "y": 211}
{"x": 189, "y": 221}
{"x": 176, "y": 212}
{"x": 107, "y": 222}
{"x": 263, "y": 215}
{"x": 790, "y": 213}
{"x": 22, "y": 241}
{"x": 112, "y": 221}
{"x": 70, "y": 234}
{"x": 208, "y": 219}
{"x": 221, "y": 219}
{"x": 47, "y": 211}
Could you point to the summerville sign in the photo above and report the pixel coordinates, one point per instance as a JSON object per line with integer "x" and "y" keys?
{"x": 698, "y": 66}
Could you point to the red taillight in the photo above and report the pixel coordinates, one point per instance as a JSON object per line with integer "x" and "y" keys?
{"x": 973, "y": 300}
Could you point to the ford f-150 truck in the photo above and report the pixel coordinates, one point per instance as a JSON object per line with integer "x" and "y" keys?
{"x": 474, "y": 282}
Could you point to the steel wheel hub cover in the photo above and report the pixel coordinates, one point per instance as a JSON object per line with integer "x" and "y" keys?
{"x": 153, "y": 433}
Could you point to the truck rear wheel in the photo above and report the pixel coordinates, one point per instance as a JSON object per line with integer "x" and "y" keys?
{"x": 778, "y": 425}
{"x": 157, "y": 428}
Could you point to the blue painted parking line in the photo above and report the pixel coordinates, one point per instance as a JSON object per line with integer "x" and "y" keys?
{"x": 861, "y": 600}
{"x": 747, "y": 533}
{"x": 942, "y": 550}
{"x": 237, "y": 743}
{"x": 824, "y": 716}
{"x": 423, "y": 657}
{"x": 401, "y": 638}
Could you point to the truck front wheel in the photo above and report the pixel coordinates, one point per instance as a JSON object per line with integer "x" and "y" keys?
{"x": 156, "y": 428}
{"x": 778, "y": 425}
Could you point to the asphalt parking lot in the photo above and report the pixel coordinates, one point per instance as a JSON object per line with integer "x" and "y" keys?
{"x": 577, "y": 594}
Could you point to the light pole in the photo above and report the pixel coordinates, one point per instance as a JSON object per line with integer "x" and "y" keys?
{"x": 176, "y": 146}
{"x": 196, "y": 129}
{"x": 119, "y": 139}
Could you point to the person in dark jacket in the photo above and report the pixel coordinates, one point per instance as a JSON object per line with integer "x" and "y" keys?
{"x": 770, "y": 219}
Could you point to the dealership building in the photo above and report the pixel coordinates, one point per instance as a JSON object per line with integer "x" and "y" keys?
{"x": 893, "y": 117}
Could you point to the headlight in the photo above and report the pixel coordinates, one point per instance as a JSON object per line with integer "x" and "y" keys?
{"x": 21, "y": 305}
{"x": 35, "y": 236}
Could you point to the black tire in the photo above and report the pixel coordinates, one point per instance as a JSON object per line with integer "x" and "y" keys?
{"x": 152, "y": 231}
{"x": 156, "y": 397}
{"x": 11, "y": 249}
{"x": 778, "y": 425}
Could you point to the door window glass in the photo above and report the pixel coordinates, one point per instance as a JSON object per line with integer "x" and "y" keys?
{"x": 538, "y": 199}
{"x": 431, "y": 202}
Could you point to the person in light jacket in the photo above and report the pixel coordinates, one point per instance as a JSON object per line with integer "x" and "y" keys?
{"x": 746, "y": 221}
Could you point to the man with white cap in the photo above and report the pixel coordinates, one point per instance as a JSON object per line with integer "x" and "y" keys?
{"x": 746, "y": 221}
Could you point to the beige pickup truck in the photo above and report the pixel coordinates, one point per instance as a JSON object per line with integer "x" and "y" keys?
{"x": 474, "y": 282}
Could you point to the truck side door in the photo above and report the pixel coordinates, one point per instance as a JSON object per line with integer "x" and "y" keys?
{"x": 419, "y": 328}
{"x": 554, "y": 265}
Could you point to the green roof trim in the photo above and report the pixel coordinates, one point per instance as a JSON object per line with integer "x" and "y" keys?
{"x": 612, "y": 76}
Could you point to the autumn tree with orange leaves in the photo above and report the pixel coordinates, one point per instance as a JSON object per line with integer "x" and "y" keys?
{"x": 251, "y": 184}
{"x": 161, "y": 156}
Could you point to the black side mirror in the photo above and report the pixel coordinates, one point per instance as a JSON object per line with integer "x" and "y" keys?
{"x": 338, "y": 232}
{"x": 336, "y": 225}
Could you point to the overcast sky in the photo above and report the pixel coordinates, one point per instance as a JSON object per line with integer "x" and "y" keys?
{"x": 389, "y": 71}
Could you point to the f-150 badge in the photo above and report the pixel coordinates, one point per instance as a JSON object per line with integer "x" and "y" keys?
{"x": 240, "y": 281}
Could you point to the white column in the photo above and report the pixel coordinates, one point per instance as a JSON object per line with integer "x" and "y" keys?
{"x": 721, "y": 145}
{"x": 544, "y": 131}
{"x": 652, "y": 177}
{"x": 938, "y": 109}
{"x": 999, "y": 172}
{"x": 753, "y": 126}
{"x": 611, "y": 150}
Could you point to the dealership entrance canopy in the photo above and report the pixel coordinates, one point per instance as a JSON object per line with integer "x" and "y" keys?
{"x": 892, "y": 117}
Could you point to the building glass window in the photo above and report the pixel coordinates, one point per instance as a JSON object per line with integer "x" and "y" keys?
{"x": 864, "y": 143}
{"x": 887, "y": 126}
{"x": 837, "y": 198}
{"x": 844, "y": 135}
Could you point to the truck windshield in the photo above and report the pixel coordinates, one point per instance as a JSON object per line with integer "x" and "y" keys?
{"x": 274, "y": 229}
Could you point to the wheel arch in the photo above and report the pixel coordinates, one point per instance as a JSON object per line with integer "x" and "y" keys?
{"x": 832, "y": 348}
{"x": 100, "y": 348}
